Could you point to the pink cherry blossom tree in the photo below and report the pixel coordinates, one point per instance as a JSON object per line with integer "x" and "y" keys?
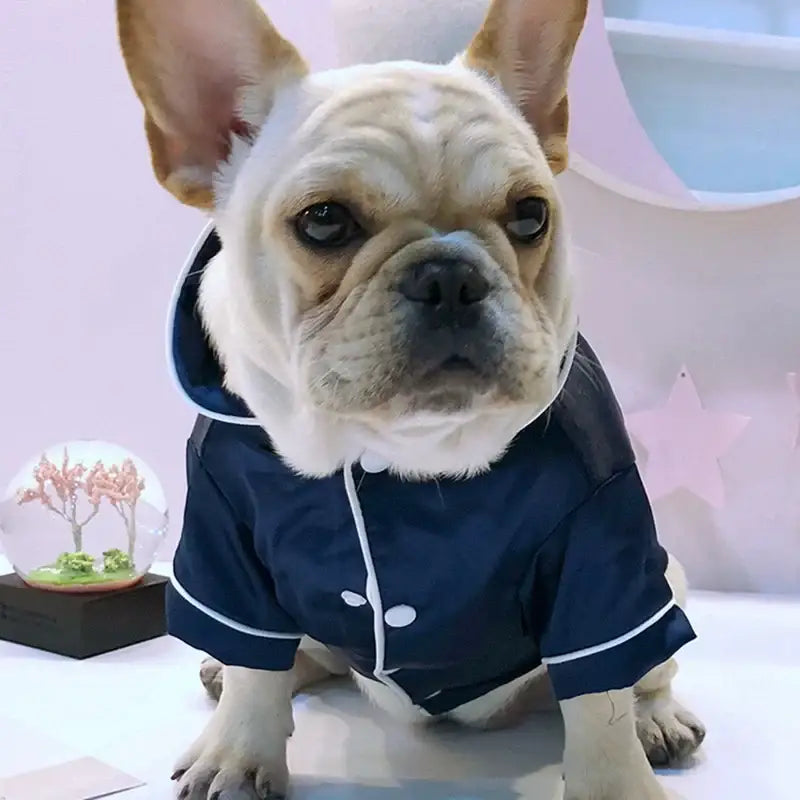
{"x": 123, "y": 486}
{"x": 57, "y": 488}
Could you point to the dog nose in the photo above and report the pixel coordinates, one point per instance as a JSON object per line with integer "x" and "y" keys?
{"x": 446, "y": 287}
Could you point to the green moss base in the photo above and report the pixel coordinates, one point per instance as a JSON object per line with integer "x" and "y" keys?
{"x": 58, "y": 577}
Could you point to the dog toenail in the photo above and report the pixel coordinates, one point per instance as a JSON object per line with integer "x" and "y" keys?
{"x": 659, "y": 757}
{"x": 177, "y": 775}
{"x": 699, "y": 733}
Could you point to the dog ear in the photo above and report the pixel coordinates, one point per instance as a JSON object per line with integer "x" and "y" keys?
{"x": 191, "y": 63}
{"x": 527, "y": 47}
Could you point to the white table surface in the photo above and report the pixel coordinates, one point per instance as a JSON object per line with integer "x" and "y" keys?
{"x": 137, "y": 709}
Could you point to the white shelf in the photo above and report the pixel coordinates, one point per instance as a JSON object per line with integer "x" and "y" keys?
{"x": 712, "y": 45}
{"x": 776, "y": 17}
{"x": 721, "y": 104}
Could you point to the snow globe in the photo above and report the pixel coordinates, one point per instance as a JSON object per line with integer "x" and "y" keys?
{"x": 83, "y": 516}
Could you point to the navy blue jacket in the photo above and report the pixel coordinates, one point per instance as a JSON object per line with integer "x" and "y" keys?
{"x": 549, "y": 557}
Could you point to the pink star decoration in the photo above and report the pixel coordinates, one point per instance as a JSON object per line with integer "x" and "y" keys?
{"x": 684, "y": 443}
{"x": 794, "y": 388}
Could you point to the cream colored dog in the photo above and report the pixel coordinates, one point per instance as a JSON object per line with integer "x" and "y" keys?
{"x": 344, "y": 201}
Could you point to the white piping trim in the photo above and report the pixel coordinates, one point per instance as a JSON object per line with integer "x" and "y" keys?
{"x": 563, "y": 375}
{"x": 373, "y": 591}
{"x": 599, "y": 648}
{"x": 173, "y": 371}
{"x": 569, "y": 360}
{"x": 223, "y": 620}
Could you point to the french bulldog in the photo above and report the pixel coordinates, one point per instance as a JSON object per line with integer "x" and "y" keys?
{"x": 408, "y": 465}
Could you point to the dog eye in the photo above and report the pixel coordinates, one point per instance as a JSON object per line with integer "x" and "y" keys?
{"x": 326, "y": 225}
{"x": 530, "y": 219}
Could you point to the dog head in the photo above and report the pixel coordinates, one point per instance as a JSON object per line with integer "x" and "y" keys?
{"x": 394, "y": 255}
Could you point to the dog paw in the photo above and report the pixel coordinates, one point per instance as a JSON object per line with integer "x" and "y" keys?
{"x": 234, "y": 763}
{"x": 211, "y": 677}
{"x": 668, "y": 732}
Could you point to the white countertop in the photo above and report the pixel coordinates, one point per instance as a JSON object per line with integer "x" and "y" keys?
{"x": 137, "y": 709}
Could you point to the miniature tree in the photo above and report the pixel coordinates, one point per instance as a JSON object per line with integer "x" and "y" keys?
{"x": 58, "y": 489}
{"x": 62, "y": 495}
{"x": 123, "y": 487}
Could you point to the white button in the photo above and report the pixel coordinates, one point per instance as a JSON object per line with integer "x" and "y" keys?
{"x": 354, "y": 600}
{"x": 373, "y": 463}
{"x": 400, "y": 616}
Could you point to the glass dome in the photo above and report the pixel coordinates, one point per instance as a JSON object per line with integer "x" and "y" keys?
{"x": 83, "y": 516}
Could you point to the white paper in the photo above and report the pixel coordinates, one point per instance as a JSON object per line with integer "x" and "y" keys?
{"x": 81, "y": 779}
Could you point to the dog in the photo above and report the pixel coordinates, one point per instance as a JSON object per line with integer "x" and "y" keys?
{"x": 408, "y": 465}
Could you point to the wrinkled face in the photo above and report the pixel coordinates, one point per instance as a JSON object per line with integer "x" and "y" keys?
{"x": 419, "y": 231}
{"x": 392, "y": 236}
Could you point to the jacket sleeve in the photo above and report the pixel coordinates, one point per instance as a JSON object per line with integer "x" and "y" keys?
{"x": 597, "y": 599}
{"x": 221, "y": 598}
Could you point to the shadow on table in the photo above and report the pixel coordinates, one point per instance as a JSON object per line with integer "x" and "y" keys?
{"x": 311, "y": 789}
{"x": 388, "y": 760}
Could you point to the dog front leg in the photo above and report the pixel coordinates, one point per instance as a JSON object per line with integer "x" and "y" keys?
{"x": 603, "y": 759}
{"x": 243, "y": 748}
{"x": 669, "y": 732}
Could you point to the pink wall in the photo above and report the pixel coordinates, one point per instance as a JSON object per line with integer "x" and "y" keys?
{"x": 91, "y": 246}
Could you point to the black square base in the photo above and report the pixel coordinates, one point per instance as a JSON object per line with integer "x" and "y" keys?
{"x": 81, "y": 625}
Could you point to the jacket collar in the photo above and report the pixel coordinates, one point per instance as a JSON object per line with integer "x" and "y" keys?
{"x": 191, "y": 359}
